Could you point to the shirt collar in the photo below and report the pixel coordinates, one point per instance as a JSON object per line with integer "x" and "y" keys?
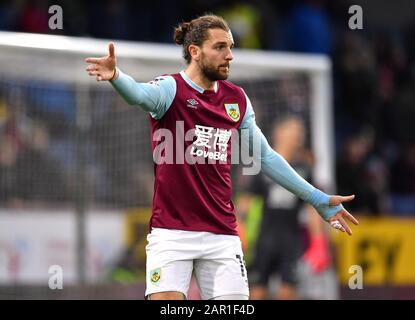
{"x": 194, "y": 85}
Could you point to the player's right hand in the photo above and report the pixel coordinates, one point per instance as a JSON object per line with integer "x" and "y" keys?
{"x": 104, "y": 68}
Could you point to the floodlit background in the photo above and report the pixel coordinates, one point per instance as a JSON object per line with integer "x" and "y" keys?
{"x": 76, "y": 167}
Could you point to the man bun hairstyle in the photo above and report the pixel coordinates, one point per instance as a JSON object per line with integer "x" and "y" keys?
{"x": 196, "y": 32}
{"x": 180, "y": 32}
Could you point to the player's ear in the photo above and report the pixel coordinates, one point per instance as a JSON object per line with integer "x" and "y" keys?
{"x": 194, "y": 52}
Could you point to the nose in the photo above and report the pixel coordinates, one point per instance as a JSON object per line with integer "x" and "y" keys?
{"x": 229, "y": 55}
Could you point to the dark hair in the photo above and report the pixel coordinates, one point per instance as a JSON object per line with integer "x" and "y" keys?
{"x": 196, "y": 32}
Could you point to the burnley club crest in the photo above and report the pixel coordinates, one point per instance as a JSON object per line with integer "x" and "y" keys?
{"x": 232, "y": 109}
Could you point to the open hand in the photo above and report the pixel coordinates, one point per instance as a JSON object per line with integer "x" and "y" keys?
{"x": 338, "y": 220}
{"x": 104, "y": 68}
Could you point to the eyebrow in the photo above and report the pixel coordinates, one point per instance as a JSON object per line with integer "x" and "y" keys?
{"x": 224, "y": 42}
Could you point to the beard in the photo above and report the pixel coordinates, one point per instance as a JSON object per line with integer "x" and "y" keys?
{"x": 214, "y": 73}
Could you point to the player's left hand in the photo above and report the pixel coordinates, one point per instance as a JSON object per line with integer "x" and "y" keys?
{"x": 338, "y": 220}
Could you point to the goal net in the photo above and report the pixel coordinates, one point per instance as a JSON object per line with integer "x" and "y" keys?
{"x": 71, "y": 145}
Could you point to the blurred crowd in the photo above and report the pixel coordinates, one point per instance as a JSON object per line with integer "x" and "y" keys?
{"x": 373, "y": 77}
{"x": 46, "y": 159}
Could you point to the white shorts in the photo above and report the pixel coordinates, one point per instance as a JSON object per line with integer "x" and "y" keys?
{"x": 216, "y": 260}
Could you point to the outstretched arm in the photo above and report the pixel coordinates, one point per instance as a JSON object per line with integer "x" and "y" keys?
{"x": 277, "y": 168}
{"x": 154, "y": 97}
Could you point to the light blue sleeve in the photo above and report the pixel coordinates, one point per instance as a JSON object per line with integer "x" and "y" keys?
{"x": 154, "y": 97}
{"x": 279, "y": 170}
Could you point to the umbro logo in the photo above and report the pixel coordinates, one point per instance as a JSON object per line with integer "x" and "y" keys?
{"x": 192, "y": 103}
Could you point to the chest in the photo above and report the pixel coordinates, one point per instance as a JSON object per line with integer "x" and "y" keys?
{"x": 223, "y": 109}
{"x": 209, "y": 123}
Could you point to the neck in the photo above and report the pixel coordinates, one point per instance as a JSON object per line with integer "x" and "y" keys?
{"x": 194, "y": 73}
